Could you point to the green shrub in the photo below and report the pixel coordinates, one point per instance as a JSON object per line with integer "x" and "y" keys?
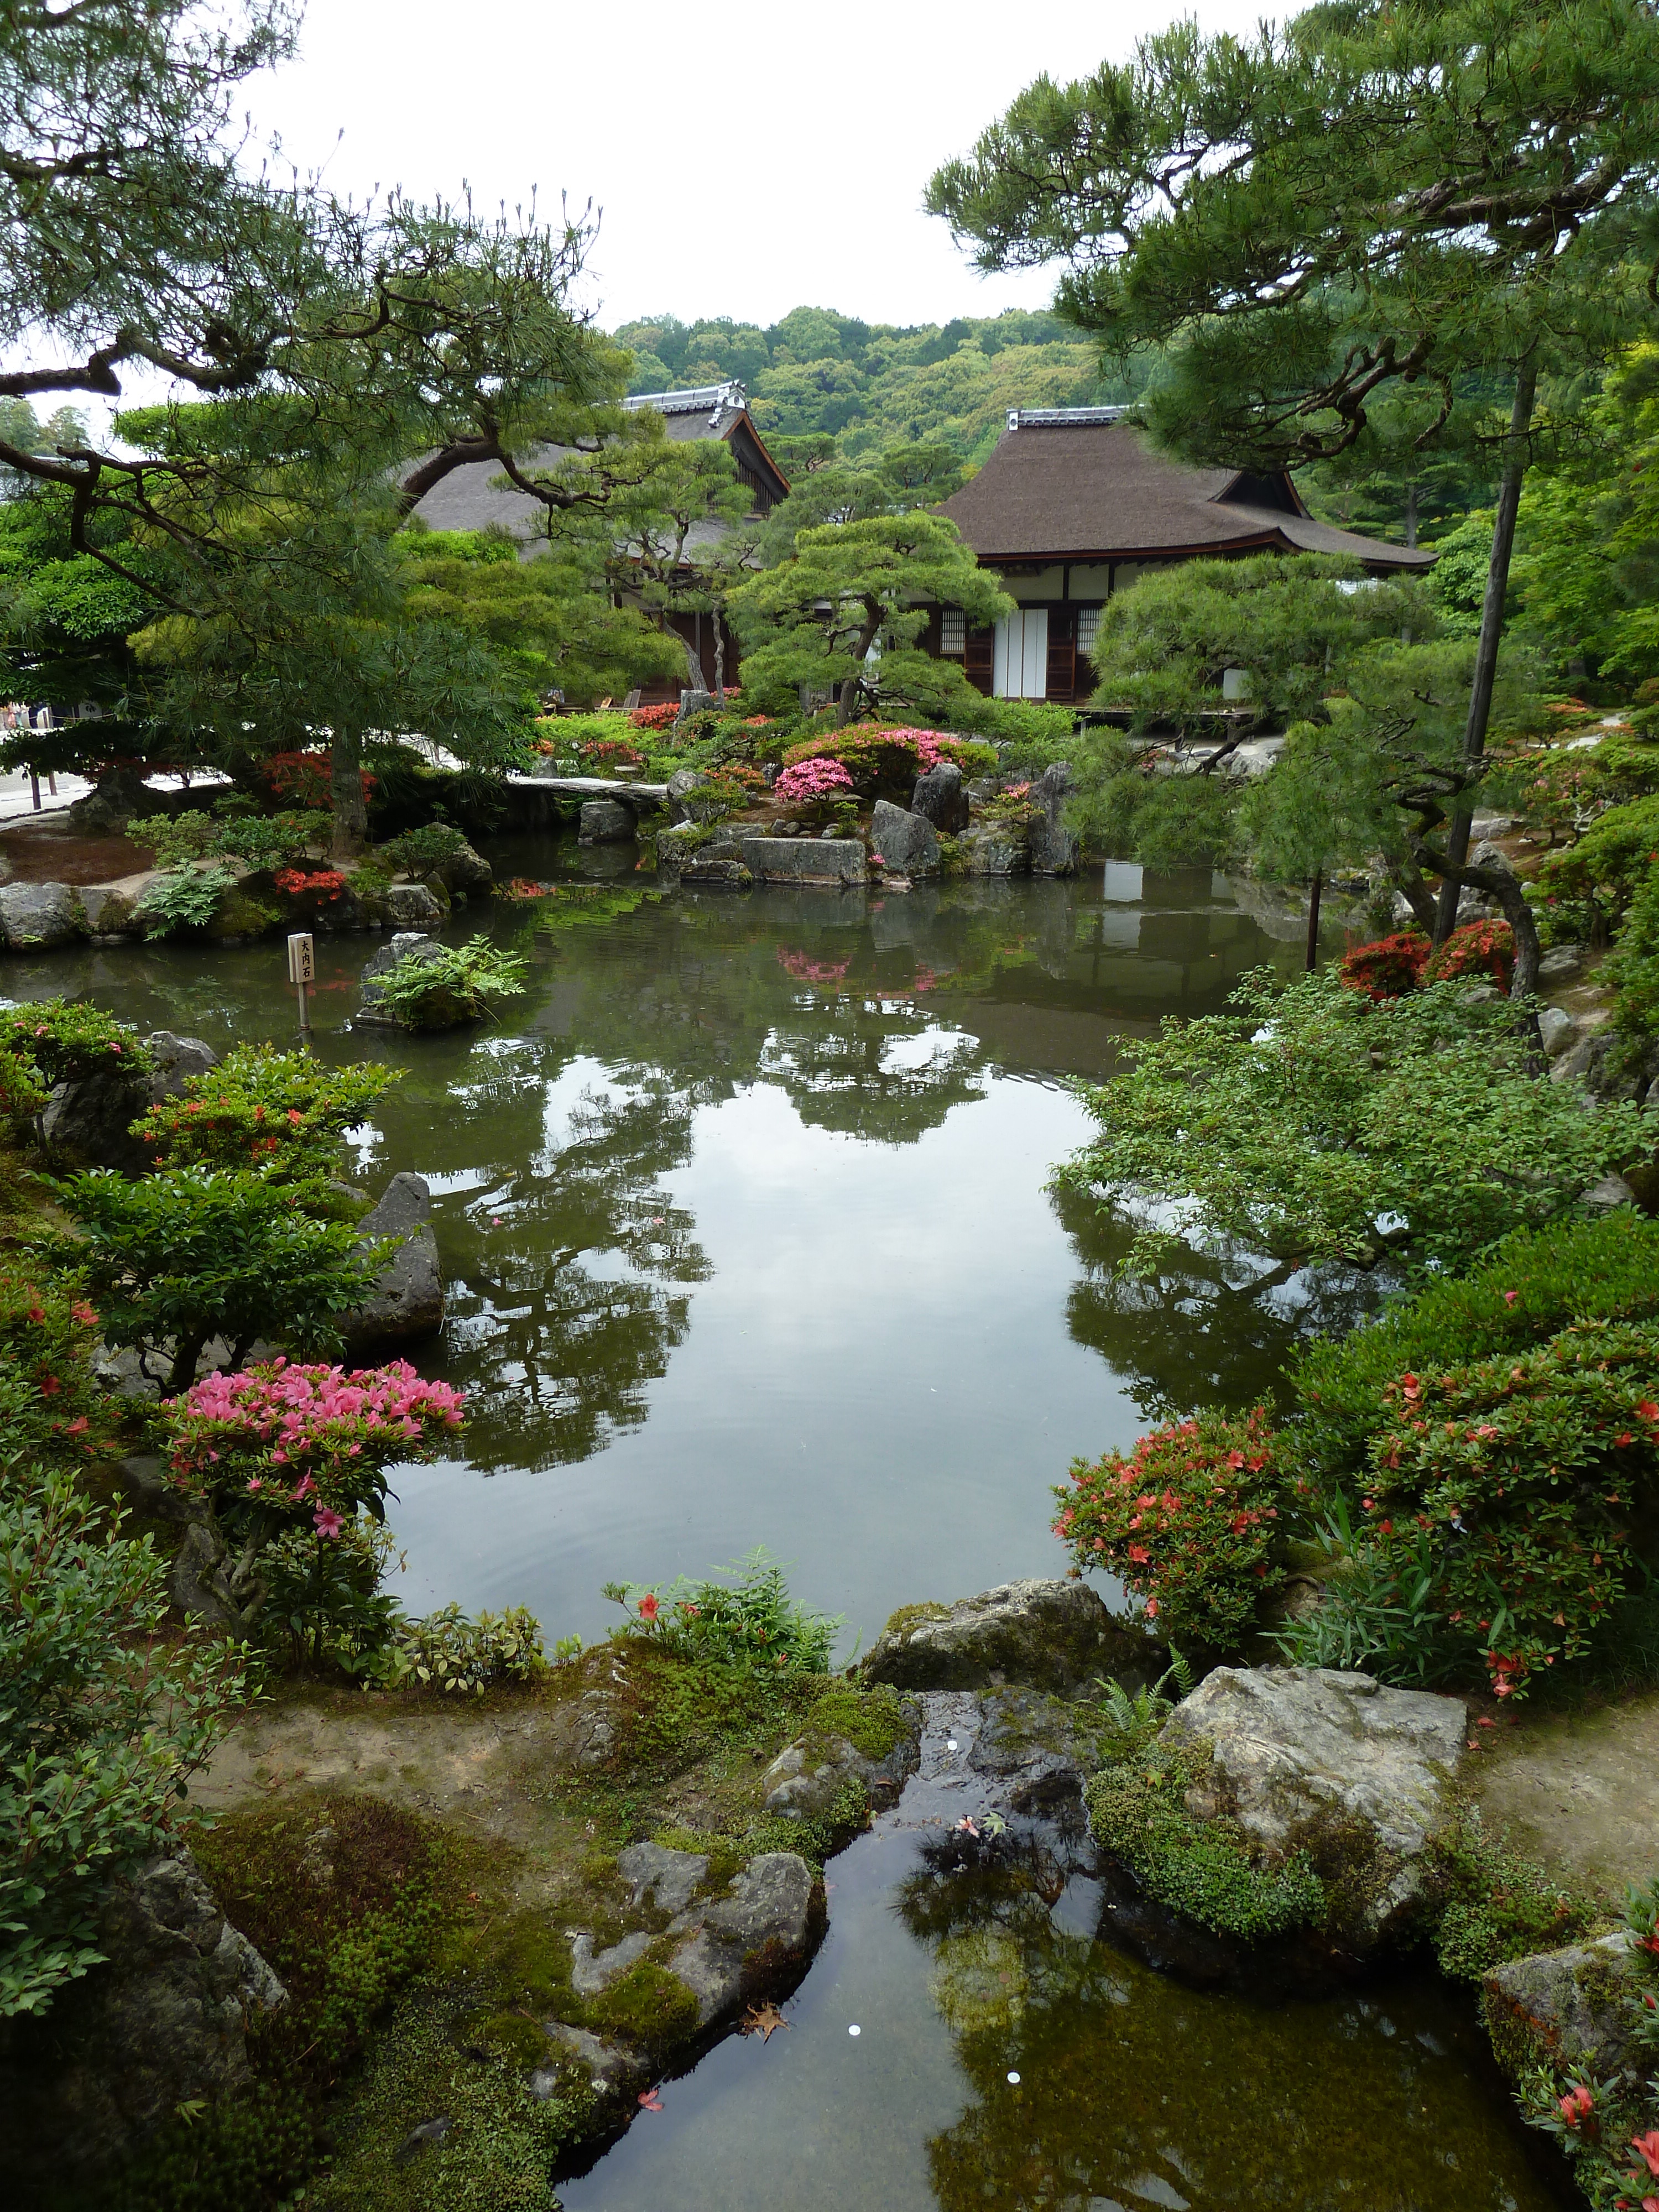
{"x": 64, "y": 1040}
{"x": 1315, "y": 1123}
{"x": 1188, "y": 1523}
{"x": 1531, "y": 1286}
{"x": 1205, "y": 1870}
{"x": 50, "y": 1404}
{"x": 188, "y": 898}
{"x": 447, "y": 1651}
{"x": 101, "y": 1726}
{"x": 750, "y": 1622}
{"x": 421, "y": 852}
{"x": 459, "y": 983}
{"x": 273, "y": 841}
{"x": 284, "y": 1114}
{"x": 1633, "y": 969}
{"x": 176, "y": 839}
{"x": 1604, "y": 869}
{"x": 174, "y": 1260}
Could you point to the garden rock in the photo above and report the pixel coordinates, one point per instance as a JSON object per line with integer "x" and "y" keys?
{"x": 1602, "y": 1197}
{"x": 903, "y": 840}
{"x": 176, "y": 1058}
{"x": 1563, "y": 965}
{"x": 86, "y": 1120}
{"x": 407, "y": 1302}
{"x": 119, "y": 795}
{"x": 745, "y": 1941}
{"x": 1558, "y": 1030}
{"x": 1049, "y": 1635}
{"x": 941, "y": 797}
{"x": 162, "y": 2023}
{"x": 806, "y": 861}
{"x": 684, "y": 802}
{"x": 411, "y": 906}
{"x": 1053, "y": 848}
{"x": 605, "y": 822}
{"x": 613, "y": 2070}
{"x": 808, "y": 1775}
{"x": 110, "y": 910}
{"x": 1039, "y": 1750}
{"x": 1564, "y": 2008}
{"x": 992, "y": 852}
{"x": 407, "y": 945}
{"x": 663, "y": 1880}
{"x": 34, "y": 916}
{"x": 1299, "y": 1753}
{"x": 592, "y": 1971}
{"x": 199, "y": 1579}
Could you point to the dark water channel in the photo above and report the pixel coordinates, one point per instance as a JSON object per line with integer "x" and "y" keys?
{"x": 743, "y": 1210}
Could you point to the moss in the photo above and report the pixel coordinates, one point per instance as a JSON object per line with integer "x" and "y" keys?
{"x": 501, "y": 2144}
{"x": 873, "y": 1721}
{"x": 511, "y": 2035}
{"x": 647, "y": 2006}
{"x": 237, "y": 914}
{"x": 910, "y": 1617}
{"x": 1207, "y": 1871}
{"x": 1492, "y": 1904}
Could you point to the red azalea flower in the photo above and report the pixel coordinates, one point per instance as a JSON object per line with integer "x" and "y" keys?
{"x": 648, "y": 1608}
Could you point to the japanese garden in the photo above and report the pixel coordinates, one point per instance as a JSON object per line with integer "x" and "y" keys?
{"x": 829, "y": 1156}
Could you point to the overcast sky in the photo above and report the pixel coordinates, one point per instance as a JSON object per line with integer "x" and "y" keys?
{"x": 747, "y": 160}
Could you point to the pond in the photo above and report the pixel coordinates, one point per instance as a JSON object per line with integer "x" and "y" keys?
{"x": 744, "y": 1208}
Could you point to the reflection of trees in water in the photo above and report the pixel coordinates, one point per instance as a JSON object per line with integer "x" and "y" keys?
{"x": 1209, "y": 1328}
{"x": 1133, "y": 2091}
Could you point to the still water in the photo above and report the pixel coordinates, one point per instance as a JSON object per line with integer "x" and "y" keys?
{"x": 744, "y": 1211}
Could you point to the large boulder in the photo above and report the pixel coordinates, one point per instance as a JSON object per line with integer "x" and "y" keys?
{"x": 907, "y": 842}
{"x": 112, "y": 909}
{"x": 1050, "y": 1635}
{"x": 36, "y": 916}
{"x": 412, "y": 907}
{"x": 689, "y": 799}
{"x": 1053, "y": 848}
{"x": 605, "y": 822}
{"x": 991, "y": 849}
{"x": 941, "y": 797}
{"x": 407, "y": 1302}
{"x": 1336, "y": 1764}
{"x": 805, "y": 859}
{"x": 1565, "y": 2009}
{"x": 120, "y": 795}
{"x": 765, "y": 1928}
{"x": 162, "y": 2023}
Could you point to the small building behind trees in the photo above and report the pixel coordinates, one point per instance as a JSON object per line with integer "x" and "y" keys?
{"x": 1072, "y": 505}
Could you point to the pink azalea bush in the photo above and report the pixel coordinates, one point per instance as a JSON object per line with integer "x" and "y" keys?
{"x": 292, "y": 1440}
{"x": 811, "y": 780}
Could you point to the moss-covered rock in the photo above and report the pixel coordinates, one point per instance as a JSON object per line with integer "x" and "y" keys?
{"x": 1564, "y": 2008}
{"x": 1051, "y": 1635}
{"x": 857, "y": 1748}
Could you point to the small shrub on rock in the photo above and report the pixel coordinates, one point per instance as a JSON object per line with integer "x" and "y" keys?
{"x": 1389, "y": 968}
{"x": 1188, "y": 1523}
{"x": 1530, "y": 1472}
{"x": 457, "y": 984}
{"x": 422, "y": 851}
{"x": 447, "y": 1650}
{"x": 749, "y": 1622}
{"x": 185, "y": 898}
{"x": 66, "y": 1040}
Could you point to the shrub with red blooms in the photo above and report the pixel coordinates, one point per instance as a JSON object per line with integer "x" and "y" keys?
{"x": 1389, "y": 968}
{"x": 1188, "y": 1523}
{"x": 609, "y": 752}
{"x": 1532, "y": 1469}
{"x": 49, "y": 1403}
{"x": 1478, "y": 949}
{"x": 292, "y": 1445}
{"x": 656, "y": 718}
{"x": 315, "y": 883}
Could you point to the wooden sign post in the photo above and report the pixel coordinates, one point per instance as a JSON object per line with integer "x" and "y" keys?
{"x": 302, "y": 970}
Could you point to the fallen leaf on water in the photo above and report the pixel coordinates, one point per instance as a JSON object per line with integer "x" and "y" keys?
{"x": 760, "y": 2019}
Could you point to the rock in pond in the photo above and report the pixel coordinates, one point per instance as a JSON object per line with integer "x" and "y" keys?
{"x": 904, "y": 841}
{"x": 34, "y": 916}
{"x": 162, "y": 2022}
{"x": 1053, "y": 848}
{"x": 805, "y": 860}
{"x": 408, "y": 1300}
{"x": 605, "y": 822}
{"x": 440, "y": 1010}
{"x": 764, "y": 1929}
{"x": 1566, "y": 2007}
{"x": 1049, "y": 1635}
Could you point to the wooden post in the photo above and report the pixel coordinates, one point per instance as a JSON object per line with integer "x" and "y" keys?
{"x": 302, "y": 970}
{"x": 1314, "y": 889}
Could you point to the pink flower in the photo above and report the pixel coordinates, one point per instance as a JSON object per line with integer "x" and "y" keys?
{"x": 326, "y": 1523}
{"x": 1510, "y": 1297}
{"x": 1646, "y": 2148}
{"x": 648, "y": 1608}
{"x": 254, "y": 1482}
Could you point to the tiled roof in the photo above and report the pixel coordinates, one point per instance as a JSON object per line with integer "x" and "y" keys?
{"x": 1076, "y": 483}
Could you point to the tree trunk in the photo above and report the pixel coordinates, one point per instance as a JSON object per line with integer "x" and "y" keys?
{"x": 1314, "y": 889}
{"x": 1408, "y": 878}
{"x": 1491, "y": 632}
{"x": 1411, "y": 514}
{"x": 346, "y": 790}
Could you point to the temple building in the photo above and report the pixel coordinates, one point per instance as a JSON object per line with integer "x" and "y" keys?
{"x": 1073, "y": 504}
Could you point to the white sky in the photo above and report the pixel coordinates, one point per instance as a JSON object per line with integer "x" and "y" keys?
{"x": 747, "y": 160}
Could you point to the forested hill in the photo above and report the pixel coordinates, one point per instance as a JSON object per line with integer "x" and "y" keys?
{"x": 873, "y": 384}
